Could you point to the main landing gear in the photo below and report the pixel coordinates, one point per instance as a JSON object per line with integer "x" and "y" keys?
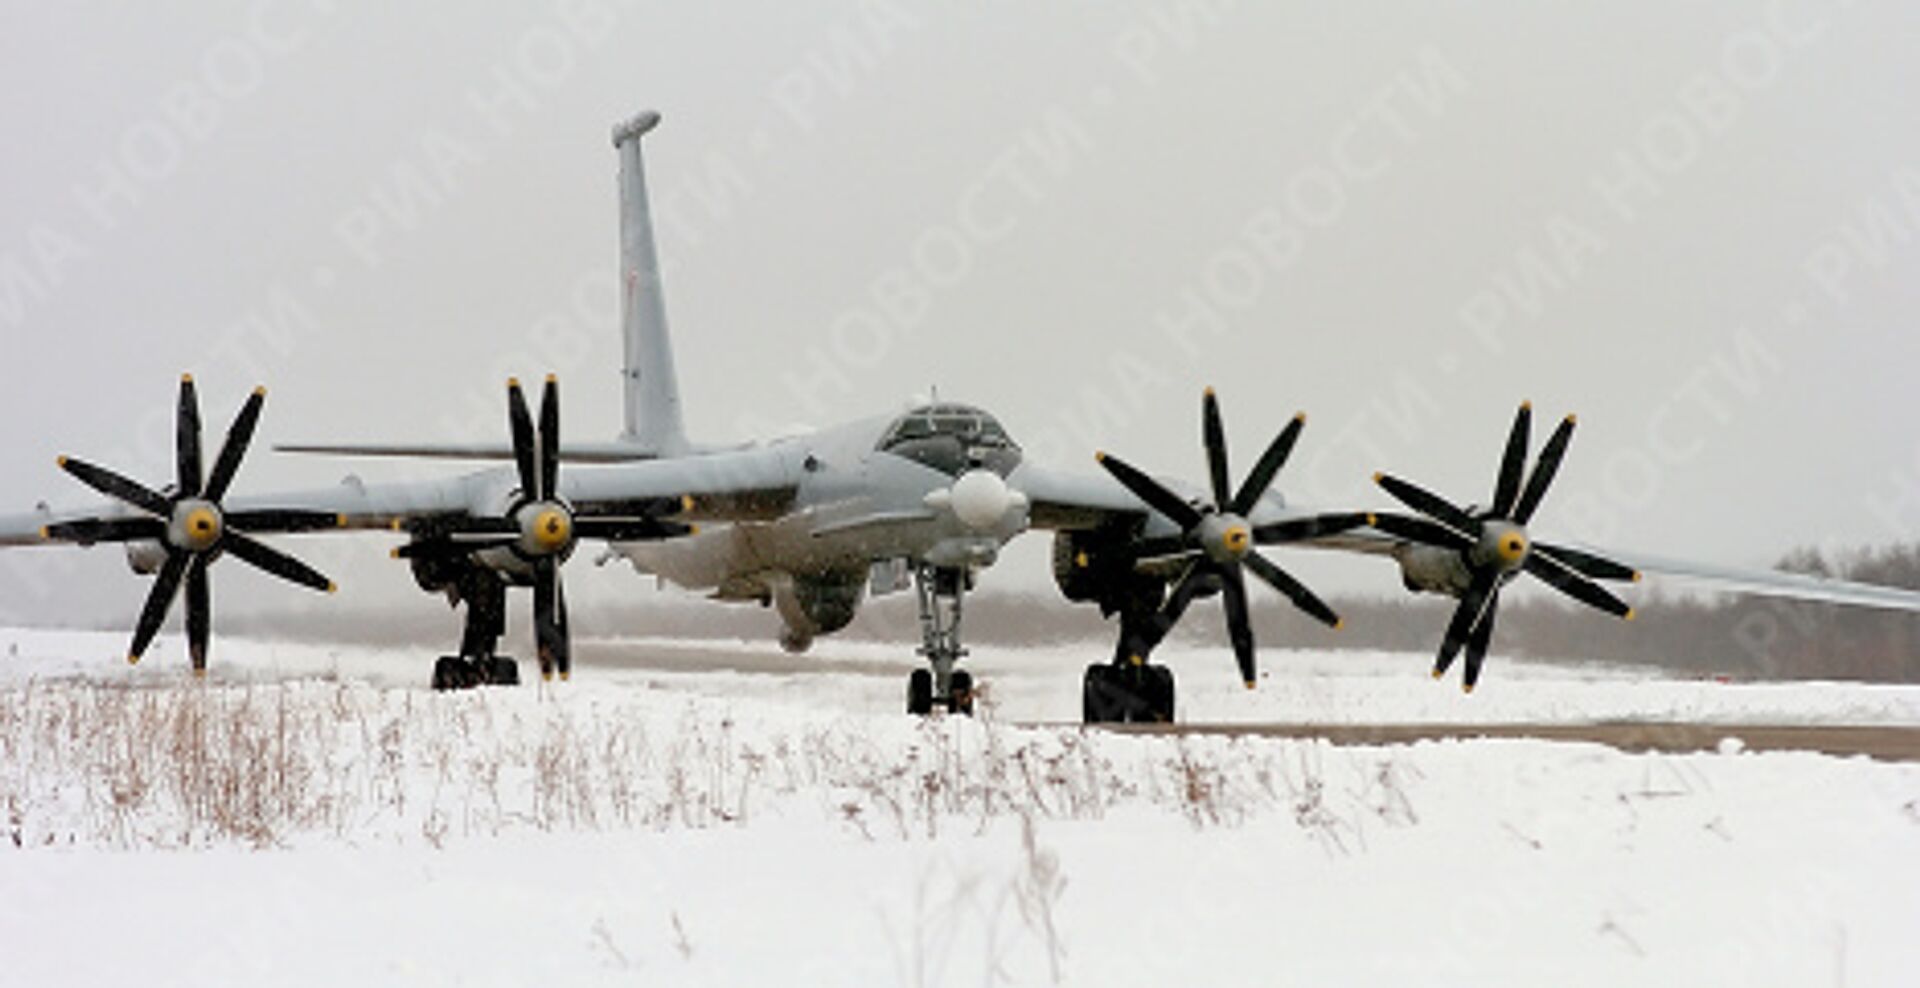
{"x": 1129, "y": 690}
{"x": 940, "y": 591}
{"x": 477, "y": 665}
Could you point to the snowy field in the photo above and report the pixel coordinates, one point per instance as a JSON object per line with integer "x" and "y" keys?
{"x": 722, "y": 814}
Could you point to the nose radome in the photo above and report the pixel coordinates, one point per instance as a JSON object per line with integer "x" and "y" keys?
{"x": 980, "y": 499}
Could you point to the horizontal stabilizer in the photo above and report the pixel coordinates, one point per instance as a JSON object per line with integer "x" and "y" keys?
{"x": 606, "y": 452}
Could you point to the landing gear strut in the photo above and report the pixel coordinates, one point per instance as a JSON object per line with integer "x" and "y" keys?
{"x": 940, "y": 591}
{"x": 1129, "y": 690}
{"x": 477, "y": 665}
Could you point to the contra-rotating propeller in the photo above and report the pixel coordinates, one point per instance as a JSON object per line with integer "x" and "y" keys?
{"x": 540, "y": 528}
{"x": 190, "y": 525}
{"x": 1220, "y": 540}
{"x": 1495, "y": 547}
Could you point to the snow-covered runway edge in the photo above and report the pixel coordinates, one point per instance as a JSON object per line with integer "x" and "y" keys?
{"x": 321, "y": 820}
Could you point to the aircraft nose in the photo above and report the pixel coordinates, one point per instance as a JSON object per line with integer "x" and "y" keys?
{"x": 980, "y": 500}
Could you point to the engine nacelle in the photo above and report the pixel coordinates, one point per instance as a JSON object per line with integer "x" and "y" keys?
{"x": 1427, "y": 569}
{"x": 1074, "y": 557}
{"x": 437, "y": 573}
{"x": 146, "y": 557}
{"x": 1097, "y": 568}
{"x": 817, "y": 605}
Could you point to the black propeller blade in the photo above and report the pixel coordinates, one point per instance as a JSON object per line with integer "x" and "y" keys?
{"x": 191, "y": 526}
{"x": 1221, "y": 541}
{"x": 1494, "y": 547}
{"x": 540, "y": 530}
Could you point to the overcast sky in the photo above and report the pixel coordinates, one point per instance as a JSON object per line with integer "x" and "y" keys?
{"x": 1696, "y": 225}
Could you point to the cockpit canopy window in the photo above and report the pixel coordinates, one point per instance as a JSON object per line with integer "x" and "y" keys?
{"x": 968, "y": 424}
{"x": 951, "y": 438}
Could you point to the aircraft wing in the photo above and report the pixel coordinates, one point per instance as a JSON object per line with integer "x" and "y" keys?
{"x": 1772, "y": 583}
{"x": 1068, "y": 501}
{"x": 739, "y": 485}
{"x": 1074, "y": 501}
{"x": 604, "y": 452}
{"x": 753, "y": 484}
{"x": 1727, "y": 579}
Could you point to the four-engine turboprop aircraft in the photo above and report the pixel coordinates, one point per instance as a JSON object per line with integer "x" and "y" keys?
{"x": 805, "y": 524}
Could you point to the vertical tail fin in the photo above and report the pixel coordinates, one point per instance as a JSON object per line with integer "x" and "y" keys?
{"x": 653, "y": 419}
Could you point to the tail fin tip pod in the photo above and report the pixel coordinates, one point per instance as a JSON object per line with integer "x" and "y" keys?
{"x": 652, "y": 392}
{"x": 628, "y": 130}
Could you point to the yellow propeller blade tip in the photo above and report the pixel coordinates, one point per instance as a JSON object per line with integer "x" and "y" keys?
{"x": 553, "y": 379}
{"x": 1209, "y": 391}
{"x": 60, "y": 461}
{"x": 547, "y": 676}
{"x": 333, "y": 587}
{"x": 513, "y": 382}
{"x": 1250, "y": 684}
{"x": 340, "y": 520}
{"x": 566, "y": 677}
{"x": 1632, "y": 614}
{"x": 1378, "y": 477}
{"x": 1573, "y": 420}
{"x": 1300, "y": 417}
{"x": 45, "y": 533}
{"x": 1099, "y": 457}
{"x": 186, "y": 379}
{"x": 393, "y": 553}
{"x": 693, "y": 530}
{"x": 1373, "y": 520}
{"x": 686, "y": 504}
{"x": 133, "y": 660}
{"x": 1137, "y": 660}
{"x": 398, "y": 525}
{"x": 1437, "y": 674}
{"x": 260, "y": 391}
{"x": 199, "y": 674}
{"x": 1466, "y": 688}
{"x": 1526, "y": 406}
{"x": 1340, "y": 624}
{"x": 1638, "y": 576}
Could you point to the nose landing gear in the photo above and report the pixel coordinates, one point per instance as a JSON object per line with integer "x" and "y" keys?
{"x": 940, "y": 592}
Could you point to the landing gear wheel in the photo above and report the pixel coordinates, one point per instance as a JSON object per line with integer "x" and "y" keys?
{"x": 1127, "y": 695}
{"x": 455, "y": 672}
{"x": 961, "y": 700}
{"x": 452, "y": 672}
{"x": 1158, "y": 681}
{"x": 1099, "y": 697}
{"x": 920, "y": 693}
{"x": 503, "y": 670}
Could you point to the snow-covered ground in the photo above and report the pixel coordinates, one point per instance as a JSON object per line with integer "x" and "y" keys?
{"x": 722, "y": 814}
